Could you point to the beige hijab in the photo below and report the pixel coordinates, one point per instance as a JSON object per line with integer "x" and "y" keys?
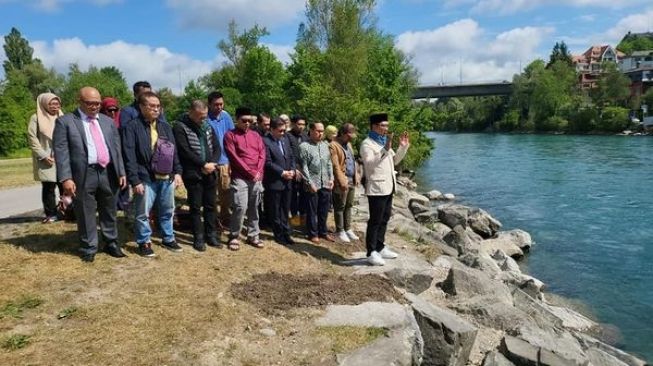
{"x": 44, "y": 119}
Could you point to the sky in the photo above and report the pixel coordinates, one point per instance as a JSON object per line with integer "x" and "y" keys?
{"x": 171, "y": 42}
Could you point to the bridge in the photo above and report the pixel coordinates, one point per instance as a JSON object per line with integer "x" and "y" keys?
{"x": 463, "y": 90}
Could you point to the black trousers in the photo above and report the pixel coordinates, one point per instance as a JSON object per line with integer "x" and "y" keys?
{"x": 201, "y": 194}
{"x": 277, "y": 206}
{"x": 97, "y": 194}
{"x": 317, "y": 210}
{"x": 48, "y": 197}
{"x": 298, "y": 199}
{"x": 380, "y": 211}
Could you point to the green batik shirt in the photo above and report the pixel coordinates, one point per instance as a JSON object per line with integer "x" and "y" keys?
{"x": 316, "y": 163}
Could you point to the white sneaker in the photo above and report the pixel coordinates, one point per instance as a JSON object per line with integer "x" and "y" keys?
{"x": 343, "y": 237}
{"x": 387, "y": 253}
{"x": 350, "y": 233}
{"x": 375, "y": 259}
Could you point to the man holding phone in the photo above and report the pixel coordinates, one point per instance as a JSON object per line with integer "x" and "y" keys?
{"x": 379, "y": 162}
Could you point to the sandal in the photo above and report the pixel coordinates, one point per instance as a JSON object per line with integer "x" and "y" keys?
{"x": 255, "y": 242}
{"x": 234, "y": 245}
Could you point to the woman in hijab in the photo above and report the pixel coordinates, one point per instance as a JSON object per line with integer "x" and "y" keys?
{"x": 39, "y": 132}
{"x": 111, "y": 108}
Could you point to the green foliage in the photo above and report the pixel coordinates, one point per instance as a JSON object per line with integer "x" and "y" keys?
{"x": 15, "y": 309}
{"x": 584, "y": 119}
{"x": 15, "y": 342}
{"x": 16, "y": 107}
{"x": 648, "y": 100}
{"x": 262, "y": 81}
{"x": 107, "y": 80}
{"x": 561, "y": 53}
{"x": 636, "y": 42}
{"x": 18, "y": 51}
{"x": 614, "y": 119}
{"x": 613, "y": 87}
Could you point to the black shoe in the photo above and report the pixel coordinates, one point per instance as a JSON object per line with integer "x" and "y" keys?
{"x": 114, "y": 250}
{"x": 290, "y": 241}
{"x": 281, "y": 241}
{"x": 213, "y": 241}
{"x": 88, "y": 257}
{"x": 172, "y": 246}
{"x": 146, "y": 250}
{"x": 199, "y": 246}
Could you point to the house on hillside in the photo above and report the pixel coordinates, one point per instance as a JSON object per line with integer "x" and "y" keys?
{"x": 590, "y": 63}
{"x": 638, "y": 66}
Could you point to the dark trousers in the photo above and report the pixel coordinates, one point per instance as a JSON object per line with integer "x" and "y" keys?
{"x": 380, "y": 211}
{"x": 122, "y": 199}
{"x": 317, "y": 210}
{"x": 48, "y": 197}
{"x": 298, "y": 199}
{"x": 277, "y": 206}
{"x": 97, "y": 194}
{"x": 201, "y": 194}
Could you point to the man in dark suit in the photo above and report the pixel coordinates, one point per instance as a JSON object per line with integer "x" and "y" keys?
{"x": 90, "y": 168}
{"x": 277, "y": 180}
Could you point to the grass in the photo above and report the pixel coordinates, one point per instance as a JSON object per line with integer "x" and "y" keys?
{"x": 16, "y": 341}
{"x": 15, "y": 309}
{"x": 346, "y": 338}
{"x": 16, "y": 173}
{"x": 174, "y": 309}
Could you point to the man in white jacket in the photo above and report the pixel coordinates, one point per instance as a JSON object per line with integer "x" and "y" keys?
{"x": 379, "y": 162}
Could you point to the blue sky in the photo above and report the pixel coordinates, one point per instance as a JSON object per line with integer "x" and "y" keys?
{"x": 165, "y": 41}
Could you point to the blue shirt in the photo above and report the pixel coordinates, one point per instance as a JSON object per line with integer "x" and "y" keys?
{"x": 221, "y": 125}
{"x": 90, "y": 143}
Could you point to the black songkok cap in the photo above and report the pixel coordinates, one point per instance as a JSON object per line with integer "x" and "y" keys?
{"x": 377, "y": 118}
{"x": 243, "y": 111}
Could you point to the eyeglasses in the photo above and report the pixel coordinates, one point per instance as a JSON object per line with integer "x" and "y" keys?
{"x": 91, "y": 103}
{"x": 247, "y": 120}
{"x": 112, "y": 110}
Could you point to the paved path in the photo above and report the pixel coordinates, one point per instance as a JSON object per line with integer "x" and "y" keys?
{"x": 15, "y": 201}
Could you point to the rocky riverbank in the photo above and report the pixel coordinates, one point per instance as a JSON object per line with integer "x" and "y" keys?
{"x": 470, "y": 303}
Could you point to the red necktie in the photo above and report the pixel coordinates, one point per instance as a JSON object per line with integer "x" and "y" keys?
{"x": 100, "y": 147}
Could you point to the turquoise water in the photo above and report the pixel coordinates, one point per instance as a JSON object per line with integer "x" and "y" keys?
{"x": 586, "y": 200}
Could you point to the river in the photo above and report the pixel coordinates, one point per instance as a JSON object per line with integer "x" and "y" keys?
{"x": 586, "y": 200}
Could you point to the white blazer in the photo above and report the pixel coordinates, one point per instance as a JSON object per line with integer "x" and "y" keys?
{"x": 379, "y": 167}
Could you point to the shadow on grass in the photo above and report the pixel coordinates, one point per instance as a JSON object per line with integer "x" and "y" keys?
{"x": 317, "y": 251}
{"x": 32, "y": 216}
{"x": 62, "y": 242}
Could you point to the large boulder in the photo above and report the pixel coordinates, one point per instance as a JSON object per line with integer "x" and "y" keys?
{"x": 417, "y": 208}
{"x": 591, "y": 342}
{"x": 561, "y": 342}
{"x": 409, "y": 228}
{"x": 520, "y": 352}
{"x": 416, "y": 198}
{"x": 459, "y": 239}
{"x": 402, "y": 346}
{"x": 483, "y": 262}
{"x": 426, "y": 217}
{"x": 504, "y": 243}
{"x": 440, "y": 228}
{"x": 495, "y": 358}
{"x": 434, "y": 195}
{"x": 466, "y": 282}
{"x": 448, "y": 339}
{"x": 482, "y": 223}
{"x": 453, "y": 215}
{"x": 530, "y": 285}
{"x": 600, "y": 358}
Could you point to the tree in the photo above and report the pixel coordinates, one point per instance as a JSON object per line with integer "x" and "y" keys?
{"x": 237, "y": 45}
{"x": 560, "y": 52}
{"x": 613, "y": 87}
{"x": 107, "y": 80}
{"x": 16, "y": 106}
{"x": 18, "y": 51}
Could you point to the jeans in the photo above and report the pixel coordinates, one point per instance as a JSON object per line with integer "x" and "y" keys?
{"x": 342, "y": 208}
{"x": 318, "y": 209}
{"x": 246, "y": 196}
{"x": 380, "y": 211}
{"x": 161, "y": 192}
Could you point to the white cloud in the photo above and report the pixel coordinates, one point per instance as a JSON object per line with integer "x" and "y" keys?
{"x": 158, "y": 65}
{"x": 443, "y": 54}
{"x": 214, "y": 14}
{"x": 282, "y": 51}
{"x": 636, "y": 23}
{"x": 514, "y": 6}
{"x": 55, "y": 5}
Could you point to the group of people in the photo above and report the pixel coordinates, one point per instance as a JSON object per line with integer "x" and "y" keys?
{"x": 233, "y": 170}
